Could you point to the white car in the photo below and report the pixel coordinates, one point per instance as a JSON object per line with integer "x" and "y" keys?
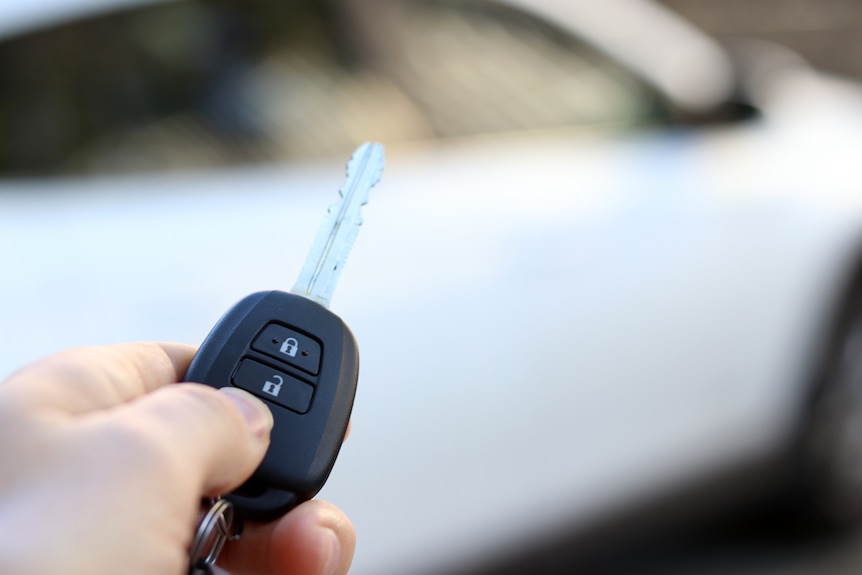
{"x": 609, "y": 260}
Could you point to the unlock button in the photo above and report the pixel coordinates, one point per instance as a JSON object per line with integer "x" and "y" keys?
{"x": 273, "y": 385}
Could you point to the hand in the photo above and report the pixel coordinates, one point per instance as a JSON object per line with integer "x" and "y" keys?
{"x": 103, "y": 465}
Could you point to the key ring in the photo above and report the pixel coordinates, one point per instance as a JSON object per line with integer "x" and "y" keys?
{"x": 214, "y": 530}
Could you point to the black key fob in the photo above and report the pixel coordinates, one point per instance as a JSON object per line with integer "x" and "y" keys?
{"x": 303, "y": 362}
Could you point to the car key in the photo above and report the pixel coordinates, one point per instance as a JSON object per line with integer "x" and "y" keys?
{"x": 300, "y": 358}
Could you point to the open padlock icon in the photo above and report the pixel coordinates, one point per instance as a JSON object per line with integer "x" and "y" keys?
{"x": 273, "y": 388}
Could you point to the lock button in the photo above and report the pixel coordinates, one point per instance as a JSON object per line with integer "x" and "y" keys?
{"x": 290, "y": 346}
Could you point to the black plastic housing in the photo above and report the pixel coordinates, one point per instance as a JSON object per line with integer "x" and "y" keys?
{"x": 303, "y": 446}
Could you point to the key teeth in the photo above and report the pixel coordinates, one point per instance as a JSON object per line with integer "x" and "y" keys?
{"x": 365, "y": 150}
{"x": 340, "y": 228}
{"x": 335, "y": 205}
{"x": 358, "y": 153}
{"x": 341, "y": 190}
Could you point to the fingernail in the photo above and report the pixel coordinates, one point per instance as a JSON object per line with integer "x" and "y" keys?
{"x": 333, "y": 561}
{"x": 254, "y": 411}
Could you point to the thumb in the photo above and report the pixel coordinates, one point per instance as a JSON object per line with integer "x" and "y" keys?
{"x": 209, "y": 440}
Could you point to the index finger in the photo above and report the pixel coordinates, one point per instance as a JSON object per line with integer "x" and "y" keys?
{"x": 92, "y": 378}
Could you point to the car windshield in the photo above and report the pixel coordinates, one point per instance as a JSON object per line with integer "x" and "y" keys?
{"x": 190, "y": 84}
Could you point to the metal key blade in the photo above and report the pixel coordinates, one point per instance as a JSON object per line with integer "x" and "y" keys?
{"x": 323, "y": 266}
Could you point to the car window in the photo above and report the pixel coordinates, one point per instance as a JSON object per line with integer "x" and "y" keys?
{"x": 189, "y": 84}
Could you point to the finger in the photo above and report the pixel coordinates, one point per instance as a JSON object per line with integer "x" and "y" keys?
{"x": 315, "y": 538}
{"x": 91, "y": 378}
{"x": 202, "y": 440}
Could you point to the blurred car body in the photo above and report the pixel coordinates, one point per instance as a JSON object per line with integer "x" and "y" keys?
{"x": 557, "y": 320}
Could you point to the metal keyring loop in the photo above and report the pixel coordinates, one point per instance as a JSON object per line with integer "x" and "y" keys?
{"x": 214, "y": 530}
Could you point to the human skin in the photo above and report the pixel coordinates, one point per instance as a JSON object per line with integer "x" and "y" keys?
{"x": 105, "y": 458}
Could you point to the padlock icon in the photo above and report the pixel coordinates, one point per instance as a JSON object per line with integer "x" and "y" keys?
{"x": 272, "y": 387}
{"x": 290, "y": 347}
